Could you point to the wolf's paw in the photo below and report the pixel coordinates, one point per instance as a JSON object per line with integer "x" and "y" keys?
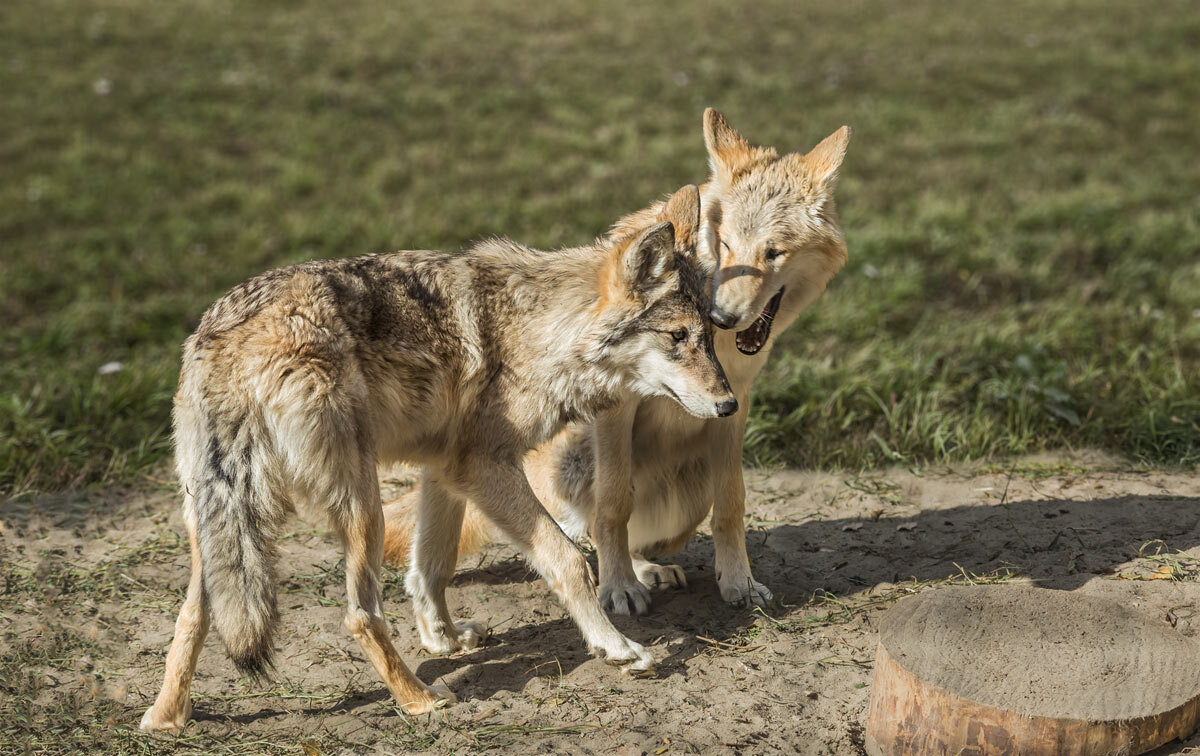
{"x": 642, "y": 667}
{"x": 625, "y": 597}
{"x": 744, "y": 590}
{"x": 153, "y": 722}
{"x": 471, "y": 634}
{"x": 437, "y": 697}
{"x": 466, "y": 635}
{"x": 632, "y": 658}
{"x": 660, "y": 576}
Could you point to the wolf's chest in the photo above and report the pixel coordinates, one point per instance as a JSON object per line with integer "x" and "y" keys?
{"x": 665, "y": 434}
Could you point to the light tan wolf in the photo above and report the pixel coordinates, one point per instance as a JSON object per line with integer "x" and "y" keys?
{"x": 297, "y": 382}
{"x": 644, "y": 475}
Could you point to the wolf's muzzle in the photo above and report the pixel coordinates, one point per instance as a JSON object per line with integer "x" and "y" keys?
{"x": 727, "y": 407}
{"x": 722, "y": 319}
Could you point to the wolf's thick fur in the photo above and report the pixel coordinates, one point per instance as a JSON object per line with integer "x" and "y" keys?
{"x": 297, "y": 382}
{"x": 643, "y": 476}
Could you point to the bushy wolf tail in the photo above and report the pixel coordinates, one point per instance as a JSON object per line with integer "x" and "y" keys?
{"x": 236, "y": 526}
{"x": 400, "y": 518}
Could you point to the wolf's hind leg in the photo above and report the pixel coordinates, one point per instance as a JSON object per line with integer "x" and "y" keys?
{"x": 359, "y": 518}
{"x": 434, "y": 556}
{"x": 173, "y": 706}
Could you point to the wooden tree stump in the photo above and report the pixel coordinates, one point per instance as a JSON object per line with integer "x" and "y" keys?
{"x": 977, "y": 671}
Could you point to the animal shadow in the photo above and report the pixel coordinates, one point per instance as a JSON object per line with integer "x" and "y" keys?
{"x": 1058, "y": 543}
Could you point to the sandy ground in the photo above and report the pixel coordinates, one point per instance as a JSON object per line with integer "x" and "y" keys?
{"x": 91, "y": 585}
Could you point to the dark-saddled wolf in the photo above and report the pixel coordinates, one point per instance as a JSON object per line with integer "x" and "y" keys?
{"x": 299, "y": 382}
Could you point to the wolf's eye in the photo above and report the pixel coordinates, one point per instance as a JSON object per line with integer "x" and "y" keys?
{"x": 773, "y": 253}
{"x": 680, "y": 335}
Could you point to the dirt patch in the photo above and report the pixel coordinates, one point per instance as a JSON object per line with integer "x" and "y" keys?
{"x": 91, "y": 584}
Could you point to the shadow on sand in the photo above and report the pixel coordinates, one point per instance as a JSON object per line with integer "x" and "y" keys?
{"x": 1058, "y": 543}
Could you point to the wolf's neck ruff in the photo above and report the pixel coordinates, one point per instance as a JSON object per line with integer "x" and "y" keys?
{"x": 549, "y": 295}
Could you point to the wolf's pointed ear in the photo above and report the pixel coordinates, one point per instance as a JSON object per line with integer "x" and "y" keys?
{"x": 648, "y": 259}
{"x": 728, "y": 151}
{"x": 822, "y": 162}
{"x": 683, "y": 211}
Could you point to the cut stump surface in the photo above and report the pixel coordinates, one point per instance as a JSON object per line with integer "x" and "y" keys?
{"x": 1016, "y": 670}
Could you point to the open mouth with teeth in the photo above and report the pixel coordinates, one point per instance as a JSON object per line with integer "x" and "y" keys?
{"x": 751, "y": 340}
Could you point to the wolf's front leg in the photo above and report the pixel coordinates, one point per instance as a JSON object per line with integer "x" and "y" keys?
{"x": 621, "y": 592}
{"x": 737, "y": 584}
{"x": 503, "y": 493}
{"x": 434, "y": 556}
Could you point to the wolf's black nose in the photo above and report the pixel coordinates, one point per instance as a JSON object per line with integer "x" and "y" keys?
{"x": 727, "y": 407}
{"x": 720, "y": 318}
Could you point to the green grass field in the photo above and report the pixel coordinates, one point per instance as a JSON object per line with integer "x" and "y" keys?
{"x": 1021, "y": 197}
